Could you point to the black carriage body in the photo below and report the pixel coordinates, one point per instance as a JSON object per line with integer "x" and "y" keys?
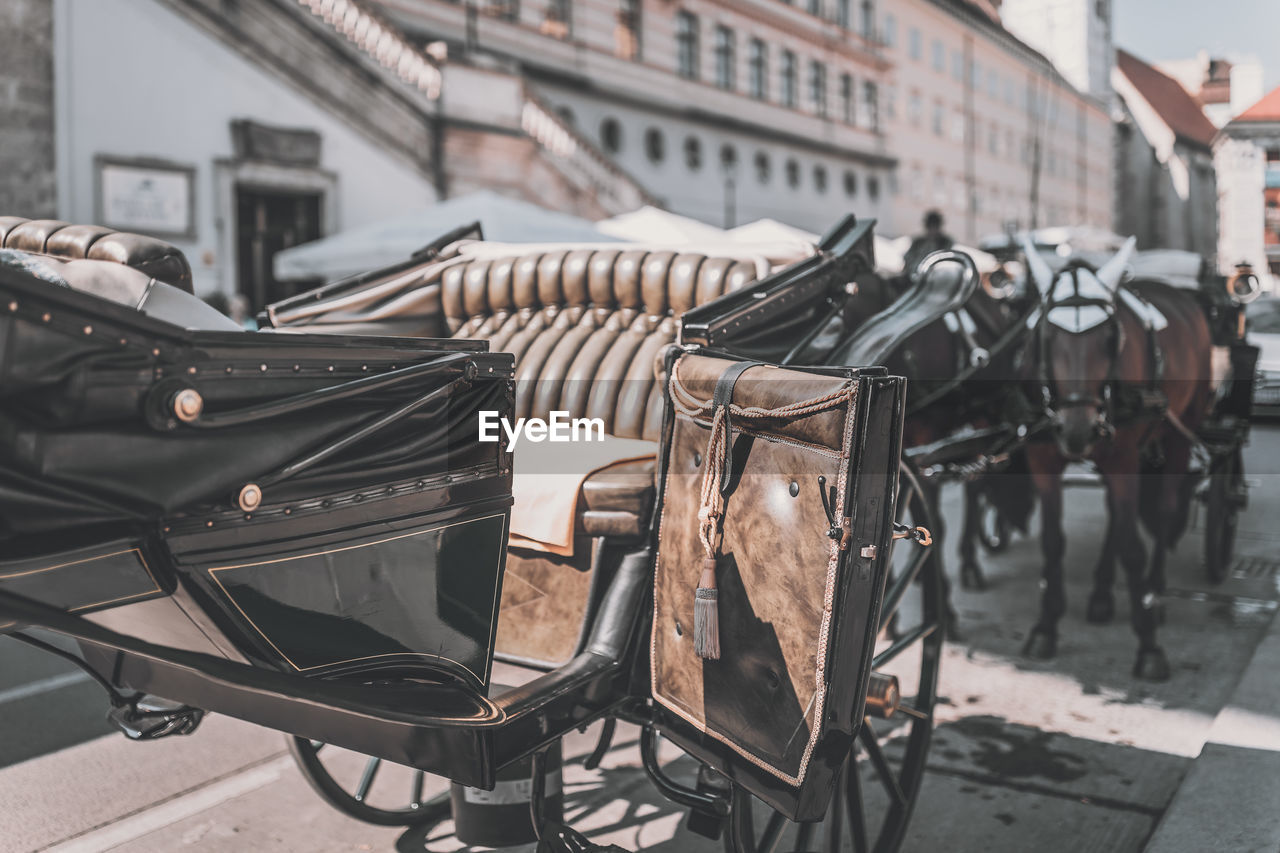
{"x": 355, "y": 604}
{"x": 371, "y": 539}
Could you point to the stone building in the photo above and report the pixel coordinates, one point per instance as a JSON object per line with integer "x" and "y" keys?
{"x": 26, "y": 107}
{"x": 1167, "y": 192}
{"x": 1249, "y": 171}
{"x": 235, "y": 130}
{"x": 985, "y": 128}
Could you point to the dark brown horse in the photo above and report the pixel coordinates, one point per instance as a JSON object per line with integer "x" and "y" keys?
{"x": 1118, "y": 378}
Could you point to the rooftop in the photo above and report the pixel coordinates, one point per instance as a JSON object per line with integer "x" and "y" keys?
{"x": 1175, "y": 106}
{"x": 1267, "y": 109}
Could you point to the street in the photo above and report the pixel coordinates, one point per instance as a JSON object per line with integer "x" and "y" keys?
{"x": 1064, "y": 755}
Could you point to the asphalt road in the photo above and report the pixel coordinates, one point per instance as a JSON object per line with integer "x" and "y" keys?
{"x": 1070, "y": 754}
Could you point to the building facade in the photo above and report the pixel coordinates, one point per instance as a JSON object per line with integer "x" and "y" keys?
{"x": 984, "y": 128}
{"x": 1248, "y": 154}
{"x": 1168, "y": 196}
{"x": 1074, "y": 34}
{"x": 27, "y": 177}
{"x": 726, "y": 112}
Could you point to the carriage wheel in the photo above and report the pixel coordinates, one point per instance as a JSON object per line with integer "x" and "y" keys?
{"x": 877, "y": 790}
{"x": 1225, "y": 485}
{"x": 993, "y": 527}
{"x": 407, "y": 808}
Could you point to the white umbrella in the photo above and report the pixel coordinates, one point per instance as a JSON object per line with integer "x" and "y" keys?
{"x": 653, "y": 225}
{"x": 369, "y": 247}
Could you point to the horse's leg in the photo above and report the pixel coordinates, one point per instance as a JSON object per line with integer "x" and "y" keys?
{"x": 1177, "y": 458}
{"x": 1102, "y": 606}
{"x": 932, "y": 493}
{"x": 1046, "y": 472}
{"x": 971, "y": 576}
{"x": 1122, "y": 482}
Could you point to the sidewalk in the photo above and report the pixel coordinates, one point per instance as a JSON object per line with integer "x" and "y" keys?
{"x": 1230, "y": 799}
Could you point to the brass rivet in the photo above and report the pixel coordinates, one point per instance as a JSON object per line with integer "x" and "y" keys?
{"x": 288, "y": 511}
{"x": 794, "y": 488}
{"x": 13, "y": 306}
{"x": 88, "y": 330}
{"x": 187, "y": 405}
{"x": 250, "y": 497}
{"x": 208, "y": 524}
{"x": 297, "y": 367}
{"x": 227, "y": 369}
{"x": 679, "y": 629}
{"x": 330, "y": 368}
{"x": 697, "y": 459}
{"x": 156, "y": 352}
{"x": 46, "y": 317}
{"x": 262, "y": 367}
{"x": 191, "y": 370}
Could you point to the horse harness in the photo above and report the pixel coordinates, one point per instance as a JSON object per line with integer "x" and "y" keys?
{"x": 1082, "y": 307}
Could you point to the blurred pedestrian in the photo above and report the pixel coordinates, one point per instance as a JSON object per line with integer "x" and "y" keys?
{"x": 934, "y": 239}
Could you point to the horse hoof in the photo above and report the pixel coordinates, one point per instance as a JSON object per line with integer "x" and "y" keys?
{"x": 1040, "y": 645}
{"x": 1101, "y": 610}
{"x": 971, "y": 577}
{"x": 1152, "y": 665}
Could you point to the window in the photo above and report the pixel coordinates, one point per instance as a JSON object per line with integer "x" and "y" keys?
{"x": 724, "y": 58}
{"x": 763, "y": 167}
{"x": 814, "y": 7}
{"x": 993, "y": 139}
{"x": 890, "y": 31}
{"x": 758, "y": 70}
{"x": 915, "y": 108}
{"x": 820, "y": 178}
{"x": 939, "y": 56}
{"x": 793, "y": 174}
{"x": 728, "y": 157}
{"x": 818, "y": 87}
{"x": 850, "y": 183}
{"x": 626, "y": 35}
{"x": 957, "y": 65}
{"x": 871, "y": 106}
{"x": 957, "y": 126}
{"x": 873, "y": 187}
{"x": 993, "y": 84}
{"x": 937, "y": 118}
{"x": 788, "y": 82}
{"x": 846, "y": 98}
{"x": 558, "y": 19}
{"x": 842, "y": 13}
{"x": 914, "y": 46}
{"x": 891, "y": 102}
{"x": 1008, "y": 91}
{"x": 655, "y": 145}
{"x": 693, "y": 153}
{"x": 687, "y": 45}
{"x": 868, "y": 28}
{"x": 611, "y": 135}
{"x": 566, "y": 115}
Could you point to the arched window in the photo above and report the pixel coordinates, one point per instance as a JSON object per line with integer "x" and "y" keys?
{"x": 693, "y": 153}
{"x": 655, "y": 145}
{"x": 611, "y": 135}
{"x": 820, "y": 178}
{"x": 850, "y": 183}
{"x": 764, "y": 168}
{"x": 793, "y": 174}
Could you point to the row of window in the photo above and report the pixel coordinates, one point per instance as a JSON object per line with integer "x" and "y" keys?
{"x": 655, "y": 149}
{"x": 954, "y": 194}
{"x": 724, "y": 50}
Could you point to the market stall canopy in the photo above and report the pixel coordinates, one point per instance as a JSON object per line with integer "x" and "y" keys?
{"x": 378, "y": 244}
{"x": 654, "y": 225}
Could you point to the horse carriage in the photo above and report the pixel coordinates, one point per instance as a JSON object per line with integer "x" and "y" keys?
{"x": 304, "y": 527}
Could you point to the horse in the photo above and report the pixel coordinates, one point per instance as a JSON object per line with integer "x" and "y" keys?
{"x": 1119, "y": 370}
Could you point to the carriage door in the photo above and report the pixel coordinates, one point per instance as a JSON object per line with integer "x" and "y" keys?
{"x": 268, "y": 221}
{"x": 775, "y": 531}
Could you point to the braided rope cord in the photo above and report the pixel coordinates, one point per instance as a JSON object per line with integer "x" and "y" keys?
{"x": 711, "y": 508}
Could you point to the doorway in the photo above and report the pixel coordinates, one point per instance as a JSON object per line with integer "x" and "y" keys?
{"x": 269, "y": 220}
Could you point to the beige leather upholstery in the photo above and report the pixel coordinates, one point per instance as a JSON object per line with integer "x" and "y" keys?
{"x": 153, "y": 257}
{"x": 586, "y": 326}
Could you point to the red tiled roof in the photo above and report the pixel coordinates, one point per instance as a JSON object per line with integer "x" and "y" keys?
{"x": 1166, "y": 96}
{"x": 1267, "y": 109}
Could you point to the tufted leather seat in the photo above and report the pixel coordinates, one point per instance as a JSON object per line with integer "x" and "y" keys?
{"x": 586, "y": 326}
{"x": 150, "y": 256}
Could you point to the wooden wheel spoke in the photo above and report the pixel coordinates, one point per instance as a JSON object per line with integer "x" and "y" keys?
{"x": 366, "y": 780}
{"x": 853, "y": 801}
{"x": 902, "y": 582}
{"x": 834, "y": 827}
{"x": 901, "y": 644}
{"x": 868, "y": 737}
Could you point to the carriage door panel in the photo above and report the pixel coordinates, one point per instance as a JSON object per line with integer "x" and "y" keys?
{"x": 805, "y": 471}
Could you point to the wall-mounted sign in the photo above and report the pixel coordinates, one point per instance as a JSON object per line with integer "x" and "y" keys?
{"x": 147, "y": 197}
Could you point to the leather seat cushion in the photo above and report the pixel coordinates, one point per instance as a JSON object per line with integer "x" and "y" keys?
{"x": 154, "y": 258}
{"x": 618, "y": 500}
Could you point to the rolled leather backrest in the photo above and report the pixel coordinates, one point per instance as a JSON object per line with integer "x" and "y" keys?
{"x": 58, "y": 239}
{"x": 587, "y": 326}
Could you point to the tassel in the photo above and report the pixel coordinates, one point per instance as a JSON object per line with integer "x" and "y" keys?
{"x": 706, "y": 613}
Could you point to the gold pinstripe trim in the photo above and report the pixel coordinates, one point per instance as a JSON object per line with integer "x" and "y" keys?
{"x": 135, "y": 551}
